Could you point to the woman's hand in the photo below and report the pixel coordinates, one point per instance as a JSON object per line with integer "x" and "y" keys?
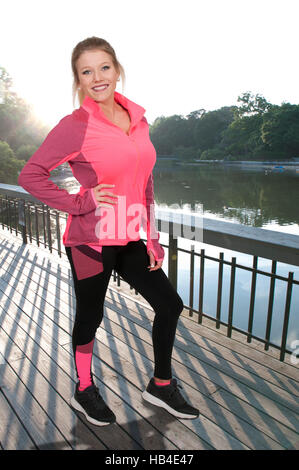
{"x": 101, "y": 196}
{"x": 152, "y": 266}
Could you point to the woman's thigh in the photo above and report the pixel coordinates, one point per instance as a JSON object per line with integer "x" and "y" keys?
{"x": 154, "y": 286}
{"x": 91, "y": 291}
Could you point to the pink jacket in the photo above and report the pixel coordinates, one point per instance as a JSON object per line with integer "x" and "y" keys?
{"x": 98, "y": 151}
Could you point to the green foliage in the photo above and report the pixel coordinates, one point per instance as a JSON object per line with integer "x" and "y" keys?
{"x": 9, "y": 165}
{"x": 20, "y": 132}
{"x": 255, "y": 130}
{"x": 280, "y": 130}
{"x": 25, "y": 151}
{"x": 212, "y": 154}
{"x": 251, "y": 105}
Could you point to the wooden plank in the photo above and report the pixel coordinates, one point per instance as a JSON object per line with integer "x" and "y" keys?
{"x": 263, "y": 403}
{"x": 210, "y": 410}
{"x": 223, "y": 364}
{"x": 264, "y": 424}
{"x": 117, "y": 331}
{"x": 277, "y": 378}
{"x": 37, "y": 423}
{"x": 203, "y": 427}
{"x": 237, "y": 343}
{"x": 12, "y": 299}
{"x": 119, "y": 439}
{"x": 204, "y": 384}
{"x": 142, "y": 362}
{"x": 197, "y": 441}
{"x": 52, "y": 387}
{"x": 129, "y": 386}
{"x": 13, "y": 435}
{"x": 182, "y": 345}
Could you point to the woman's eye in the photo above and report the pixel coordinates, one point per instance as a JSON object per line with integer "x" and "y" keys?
{"x": 87, "y": 71}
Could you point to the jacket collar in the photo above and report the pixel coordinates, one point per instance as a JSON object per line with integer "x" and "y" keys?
{"x": 135, "y": 110}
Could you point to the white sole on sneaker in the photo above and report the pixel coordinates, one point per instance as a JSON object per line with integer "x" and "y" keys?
{"x": 156, "y": 401}
{"x": 78, "y": 407}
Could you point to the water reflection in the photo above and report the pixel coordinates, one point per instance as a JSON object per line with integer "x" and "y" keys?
{"x": 258, "y": 197}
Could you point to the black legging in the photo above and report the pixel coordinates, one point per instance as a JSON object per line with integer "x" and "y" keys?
{"x": 131, "y": 262}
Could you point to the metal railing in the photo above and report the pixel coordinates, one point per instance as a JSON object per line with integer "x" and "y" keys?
{"x": 37, "y": 222}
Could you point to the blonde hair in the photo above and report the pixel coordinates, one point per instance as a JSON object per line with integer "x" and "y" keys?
{"x": 87, "y": 45}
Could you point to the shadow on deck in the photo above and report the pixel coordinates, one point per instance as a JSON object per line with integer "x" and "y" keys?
{"x": 248, "y": 399}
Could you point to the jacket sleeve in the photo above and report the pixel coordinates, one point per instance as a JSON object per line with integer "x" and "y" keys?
{"x": 62, "y": 144}
{"x": 152, "y": 235}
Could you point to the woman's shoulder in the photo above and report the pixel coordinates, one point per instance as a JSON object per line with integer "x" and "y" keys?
{"x": 70, "y": 128}
{"x": 74, "y": 119}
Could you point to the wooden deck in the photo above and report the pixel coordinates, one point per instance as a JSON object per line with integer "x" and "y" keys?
{"x": 248, "y": 399}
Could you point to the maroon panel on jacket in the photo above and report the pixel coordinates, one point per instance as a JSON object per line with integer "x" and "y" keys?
{"x": 87, "y": 262}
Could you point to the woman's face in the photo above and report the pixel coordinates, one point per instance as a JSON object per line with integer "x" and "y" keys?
{"x": 95, "y": 69}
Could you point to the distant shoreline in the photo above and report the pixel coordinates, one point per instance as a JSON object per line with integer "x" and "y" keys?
{"x": 271, "y": 164}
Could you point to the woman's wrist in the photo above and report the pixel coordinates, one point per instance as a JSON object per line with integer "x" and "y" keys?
{"x": 93, "y": 197}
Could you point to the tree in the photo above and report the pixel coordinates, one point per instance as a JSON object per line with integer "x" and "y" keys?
{"x": 280, "y": 130}
{"x": 251, "y": 105}
{"x": 9, "y": 165}
{"x": 25, "y": 151}
{"x": 209, "y": 128}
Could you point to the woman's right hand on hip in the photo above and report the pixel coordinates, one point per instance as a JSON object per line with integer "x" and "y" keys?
{"x": 103, "y": 196}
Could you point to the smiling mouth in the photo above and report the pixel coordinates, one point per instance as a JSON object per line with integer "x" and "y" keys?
{"x": 100, "y": 88}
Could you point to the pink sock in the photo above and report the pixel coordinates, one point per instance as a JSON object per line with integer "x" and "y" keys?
{"x": 83, "y": 358}
{"x": 161, "y": 383}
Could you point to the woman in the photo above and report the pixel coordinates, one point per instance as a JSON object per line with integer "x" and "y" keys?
{"x": 106, "y": 143}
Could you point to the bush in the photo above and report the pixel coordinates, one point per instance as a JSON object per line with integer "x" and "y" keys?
{"x": 9, "y": 165}
{"x": 25, "y": 151}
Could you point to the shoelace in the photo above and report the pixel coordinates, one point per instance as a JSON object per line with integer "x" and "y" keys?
{"x": 176, "y": 392}
{"x": 96, "y": 397}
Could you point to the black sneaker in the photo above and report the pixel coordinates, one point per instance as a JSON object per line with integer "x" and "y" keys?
{"x": 170, "y": 398}
{"x": 90, "y": 402}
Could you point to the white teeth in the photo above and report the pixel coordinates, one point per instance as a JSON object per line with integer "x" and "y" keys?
{"x": 102, "y": 87}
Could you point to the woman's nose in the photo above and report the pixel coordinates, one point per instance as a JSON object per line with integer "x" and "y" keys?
{"x": 97, "y": 76}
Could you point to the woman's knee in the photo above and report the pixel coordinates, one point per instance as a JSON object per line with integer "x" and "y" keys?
{"x": 173, "y": 305}
{"x": 87, "y": 325}
{"x": 179, "y": 305}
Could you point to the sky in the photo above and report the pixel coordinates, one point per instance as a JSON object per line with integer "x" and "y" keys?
{"x": 178, "y": 56}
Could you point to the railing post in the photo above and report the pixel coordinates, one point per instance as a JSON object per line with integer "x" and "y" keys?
{"x": 58, "y": 233}
{"x": 231, "y": 297}
{"x": 49, "y": 229}
{"x": 9, "y": 215}
{"x": 252, "y": 299}
{"x": 201, "y": 284}
{"x": 36, "y": 225}
{"x": 219, "y": 294}
{"x": 270, "y": 305}
{"x": 191, "y": 287}
{"x": 22, "y": 219}
{"x": 172, "y": 257}
{"x": 286, "y": 316}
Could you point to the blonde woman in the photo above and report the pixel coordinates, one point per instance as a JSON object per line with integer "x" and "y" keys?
{"x": 106, "y": 143}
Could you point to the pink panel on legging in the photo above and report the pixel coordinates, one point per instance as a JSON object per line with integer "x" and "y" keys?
{"x": 83, "y": 358}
